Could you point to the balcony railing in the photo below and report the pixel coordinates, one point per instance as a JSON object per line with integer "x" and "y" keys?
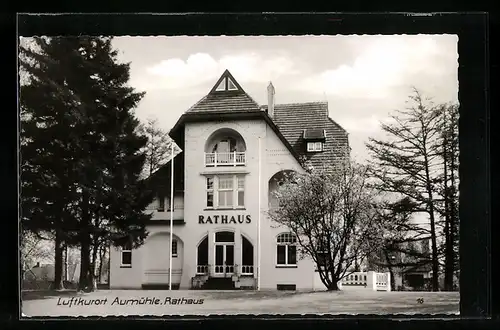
{"x": 224, "y": 269}
{"x": 202, "y": 269}
{"x": 225, "y": 159}
{"x": 246, "y": 270}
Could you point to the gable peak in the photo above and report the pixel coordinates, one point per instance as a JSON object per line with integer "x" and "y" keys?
{"x": 226, "y": 83}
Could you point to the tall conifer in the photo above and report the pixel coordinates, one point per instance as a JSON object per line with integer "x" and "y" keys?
{"x": 92, "y": 153}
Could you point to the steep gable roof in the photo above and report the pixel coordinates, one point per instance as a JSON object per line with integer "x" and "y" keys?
{"x": 292, "y": 119}
{"x": 228, "y": 101}
{"x": 226, "y": 96}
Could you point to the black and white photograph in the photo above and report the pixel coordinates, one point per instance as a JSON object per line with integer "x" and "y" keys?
{"x": 209, "y": 175}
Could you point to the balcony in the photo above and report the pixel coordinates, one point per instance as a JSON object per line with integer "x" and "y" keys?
{"x": 215, "y": 159}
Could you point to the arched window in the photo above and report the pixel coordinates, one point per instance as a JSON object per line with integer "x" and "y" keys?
{"x": 286, "y": 250}
{"x": 174, "y": 248}
{"x": 227, "y": 144}
{"x": 225, "y": 147}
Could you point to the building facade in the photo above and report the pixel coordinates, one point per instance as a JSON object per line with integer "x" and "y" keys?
{"x": 234, "y": 153}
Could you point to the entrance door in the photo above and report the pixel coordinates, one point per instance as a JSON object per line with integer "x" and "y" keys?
{"x": 224, "y": 260}
{"x": 229, "y": 259}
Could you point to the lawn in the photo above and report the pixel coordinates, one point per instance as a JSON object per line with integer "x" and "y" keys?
{"x": 180, "y": 302}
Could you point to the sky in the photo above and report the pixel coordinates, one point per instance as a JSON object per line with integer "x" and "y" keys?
{"x": 363, "y": 78}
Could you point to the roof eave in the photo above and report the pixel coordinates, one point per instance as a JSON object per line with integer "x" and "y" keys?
{"x": 216, "y": 116}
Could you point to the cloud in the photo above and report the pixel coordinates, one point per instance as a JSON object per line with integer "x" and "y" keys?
{"x": 368, "y": 124}
{"x": 199, "y": 68}
{"x": 384, "y": 63}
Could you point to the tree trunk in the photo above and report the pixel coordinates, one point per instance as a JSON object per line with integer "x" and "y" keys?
{"x": 58, "y": 261}
{"x": 432, "y": 220}
{"x": 66, "y": 266}
{"x": 453, "y": 214}
{"x": 435, "y": 261}
{"x": 449, "y": 255}
{"x": 95, "y": 250}
{"x": 109, "y": 265}
{"x": 448, "y": 245}
{"x": 85, "y": 282}
{"x": 333, "y": 286}
{"x": 449, "y": 260}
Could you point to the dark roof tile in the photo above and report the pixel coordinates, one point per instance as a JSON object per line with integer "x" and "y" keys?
{"x": 290, "y": 119}
{"x": 225, "y": 102}
{"x": 293, "y": 119}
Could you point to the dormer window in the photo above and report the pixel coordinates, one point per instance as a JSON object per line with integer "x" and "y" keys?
{"x": 314, "y": 146}
{"x": 314, "y": 139}
{"x": 226, "y": 85}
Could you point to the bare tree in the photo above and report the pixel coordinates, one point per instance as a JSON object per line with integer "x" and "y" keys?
{"x": 158, "y": 148}
{"x": 34, "y": 248}
{"x": 333, "y": 216}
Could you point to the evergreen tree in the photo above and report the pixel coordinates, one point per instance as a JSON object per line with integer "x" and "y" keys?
{"x": 45, "y": 150}
{"x": 107, "y": 199}
{"x": 407, "y": 165}
{"x": 420, "y": 164}
{"x": 447, "y": 148}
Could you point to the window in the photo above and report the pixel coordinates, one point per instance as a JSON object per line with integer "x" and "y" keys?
{"x": 230, "y": 85}
{"x": 161, "y": 202}
{"x": 224, "y": 237}
{"x": 286, "y": 250}
{"x": 126, "y": 255}
{"x": 226, "y": 84}
{"x": 210, "y": 192}
{"x": 241, "y": 191}
{"x": 222, "y": 86}
{"x": 314, "y": 146}
{"x": 286, "y": 287}
{"x": 226, "y": 192}
{"x": 322, "y": 258}
{"x": 174, "y": 248}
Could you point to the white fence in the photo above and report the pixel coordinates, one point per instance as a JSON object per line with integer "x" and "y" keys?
{"x": 372, "y": 281}
{"x": 367, "y": 280}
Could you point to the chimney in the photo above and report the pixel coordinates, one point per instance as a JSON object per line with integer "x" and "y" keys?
{"x": 270, "y": 100}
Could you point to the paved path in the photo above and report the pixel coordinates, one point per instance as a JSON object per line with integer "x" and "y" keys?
{"x": 144, "y": 302}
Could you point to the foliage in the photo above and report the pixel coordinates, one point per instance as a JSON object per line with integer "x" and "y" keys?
{"x": 81, "y": 156}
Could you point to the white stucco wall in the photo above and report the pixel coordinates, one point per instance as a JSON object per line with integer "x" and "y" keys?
{"x": 275, "y": 157}
{"x": 125, "y": 277}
